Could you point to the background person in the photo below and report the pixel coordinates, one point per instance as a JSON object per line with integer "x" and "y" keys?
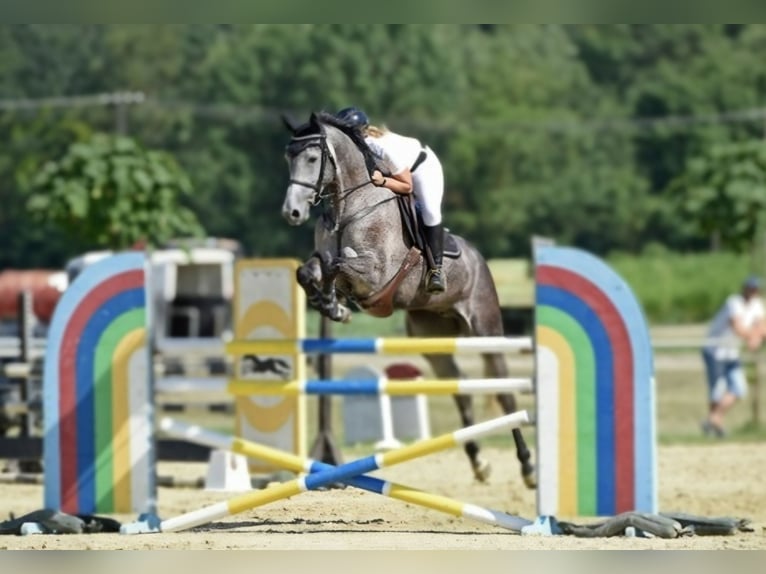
{"x": 740, "y": 319}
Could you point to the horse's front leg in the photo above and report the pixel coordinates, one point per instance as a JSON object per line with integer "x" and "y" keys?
{"x": 309, "y": 276}
{"x": 330, "y": 306}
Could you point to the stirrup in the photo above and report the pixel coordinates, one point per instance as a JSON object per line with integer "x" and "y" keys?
{"x": 435, "y": 281}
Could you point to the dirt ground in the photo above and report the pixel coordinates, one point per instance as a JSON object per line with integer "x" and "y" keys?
{"x": 716, "y": 479}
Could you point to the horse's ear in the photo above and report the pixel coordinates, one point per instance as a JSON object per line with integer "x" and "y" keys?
{"x": 314, "y": 119}
{"x": 289, "y": 124}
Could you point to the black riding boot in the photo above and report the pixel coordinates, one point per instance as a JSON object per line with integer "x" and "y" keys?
{"x": 436, "y": 282}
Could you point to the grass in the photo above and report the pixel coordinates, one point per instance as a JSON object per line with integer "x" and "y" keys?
{"x": 361, "y": 325}
{"x": 681, "y": 287}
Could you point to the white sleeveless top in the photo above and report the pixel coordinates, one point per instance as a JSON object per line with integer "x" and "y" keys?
{"x": 400, "y": 150}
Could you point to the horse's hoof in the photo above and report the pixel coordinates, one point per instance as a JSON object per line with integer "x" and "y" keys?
{"x": 342, "y": 315}
{"x": 482, "y": 470}
{"x": 530, "y": 478}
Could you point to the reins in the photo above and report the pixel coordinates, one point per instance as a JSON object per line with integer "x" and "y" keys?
{"x": 362, "y": 213}
{"x": 320, "y": 140}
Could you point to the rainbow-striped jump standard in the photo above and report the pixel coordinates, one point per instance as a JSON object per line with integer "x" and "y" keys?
{"x": 324, "y": 477}
{"x": 291, "y": 462}
{"x": 595, "y": 390}
{"x": 97, "y": 393}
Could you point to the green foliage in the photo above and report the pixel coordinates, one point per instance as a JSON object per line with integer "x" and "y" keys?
{"x": 723, "y": 191}
{"x": 665, "y": 70}
{"x": 531, "y": 122}
{"x": 361, "y": 325}
{"x": 681, "y": 288}
{"x": 25, "y": 243}
{"x": 110, "y": 192}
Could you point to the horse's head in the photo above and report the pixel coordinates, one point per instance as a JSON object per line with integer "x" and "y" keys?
{"x": 312, "y": 167}
{"x": 325, "y": 153}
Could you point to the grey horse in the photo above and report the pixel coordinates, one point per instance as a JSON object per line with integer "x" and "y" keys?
{"x": 362, "y": 255}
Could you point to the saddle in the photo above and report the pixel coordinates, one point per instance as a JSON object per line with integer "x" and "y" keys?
{"x": 414, "y": 230}
{"x": 380, "y": 304}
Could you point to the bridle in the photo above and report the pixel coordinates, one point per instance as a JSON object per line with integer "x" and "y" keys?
{"x": 299, "y": 144}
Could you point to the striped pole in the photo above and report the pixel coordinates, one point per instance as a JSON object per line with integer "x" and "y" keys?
{"x": 197, "y": 434}
{"x": 382, "y": 346}
{"x": 340, "y": 473}
{"x": 379, "y": 386}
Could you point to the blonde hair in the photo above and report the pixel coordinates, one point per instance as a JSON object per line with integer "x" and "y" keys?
{"x": 375, "y": 131}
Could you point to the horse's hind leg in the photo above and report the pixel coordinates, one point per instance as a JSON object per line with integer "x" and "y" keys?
{"x": 485, "y": 324}
{"x": 445, "y": 367}
{"x": 495, "y": 366}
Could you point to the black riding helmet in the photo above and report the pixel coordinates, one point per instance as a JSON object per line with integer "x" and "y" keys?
{"x": 354, "y": 116}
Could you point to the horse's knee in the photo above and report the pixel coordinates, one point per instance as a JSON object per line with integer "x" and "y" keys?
{"x": 303, "y": 276}
{"x": 308, "y": 274}
{"x": 329, "y": 265}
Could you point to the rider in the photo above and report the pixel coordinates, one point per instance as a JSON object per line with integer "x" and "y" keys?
{"x": 416, "y": 169}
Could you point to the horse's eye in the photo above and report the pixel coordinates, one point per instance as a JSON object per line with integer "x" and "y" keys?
{"x": 312, "y": 160}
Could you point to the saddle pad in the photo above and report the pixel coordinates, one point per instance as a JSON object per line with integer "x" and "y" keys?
{"x": 451, "y": 248}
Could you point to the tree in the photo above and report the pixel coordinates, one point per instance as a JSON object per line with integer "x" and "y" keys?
{"x": 654, "y": 71}
{"x": 519, "y": 162}
{"x": 112, "y": 193}
{"x": 723, "y": 191}
{"x": 29, "y": 140}
{"x": 534, "y": 124}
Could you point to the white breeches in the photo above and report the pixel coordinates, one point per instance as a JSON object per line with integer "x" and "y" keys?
{"x": 428, "y": 186}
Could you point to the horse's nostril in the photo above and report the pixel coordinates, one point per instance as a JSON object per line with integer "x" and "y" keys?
{"x": 295, "y": 213}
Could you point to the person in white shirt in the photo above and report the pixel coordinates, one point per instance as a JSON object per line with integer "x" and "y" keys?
{"x": 415, "y": 168}
{"x": 740, "y": 319}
